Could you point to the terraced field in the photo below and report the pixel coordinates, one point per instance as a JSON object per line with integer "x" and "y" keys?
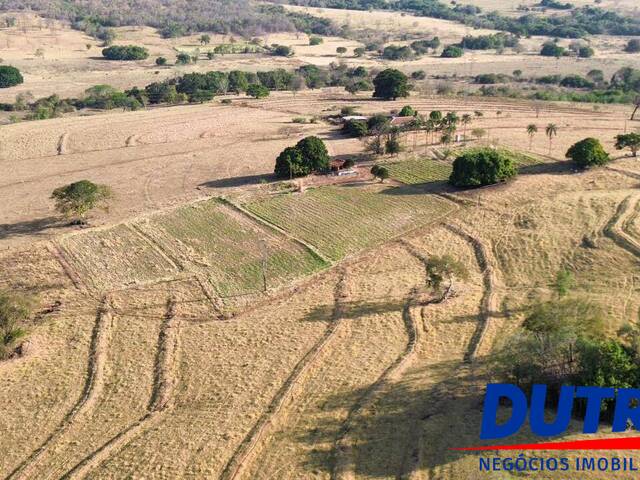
{"x": 343, "y": 220}
{"x": 229, "y": 250}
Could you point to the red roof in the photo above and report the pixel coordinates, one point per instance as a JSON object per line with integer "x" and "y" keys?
{"x": 401, "y": 121}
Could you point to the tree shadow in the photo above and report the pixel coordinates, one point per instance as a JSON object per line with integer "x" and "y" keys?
{"x": 29, "y": 227}
{"x": 239, "y": 181}
{"x": 353, "y": 310}
{"x": 557, "y": 168}
{"x": 413, "y": 424}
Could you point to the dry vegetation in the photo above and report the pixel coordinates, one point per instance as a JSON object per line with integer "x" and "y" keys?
{"x": 217, "y": 324}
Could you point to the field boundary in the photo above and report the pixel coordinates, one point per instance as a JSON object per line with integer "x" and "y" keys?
{"x": 262, "y": 221}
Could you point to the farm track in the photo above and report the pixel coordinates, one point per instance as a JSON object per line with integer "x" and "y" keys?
{"x": 94, "y": 385}
{"x": 162, "y": 396}
{"x": 618, "y": 227}
{"x": 345, "y": 465}
{"x": 248, "y": 450}
{"x": 490, "y": 300}
{"x": 69, "y": 271}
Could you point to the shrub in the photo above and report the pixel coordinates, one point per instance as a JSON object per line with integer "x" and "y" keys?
{"x": 315, "y": 41}
{"x": 257, "y": 91}
{"x": 183, "y": 58}
{"x": 452, "y": 51}
{"x": 419, "y": 75}
{"x": 391, "y": 84}
{"x": 588, "y": 153}
{"x": 576, "y": 81}
{"x": 126, "y": 52}
{"x": 14, "y": 311}
{"x": 485, "y": 166}
{"x": 282, "y": 51}
{"x": 633, "y": 46}
{"x": 630, "y": 141}
{"x": 552, "y": 49}
{"x": 341, "y": 50}
{"x": 408, "y": 111}
{"x": 359, "y": 52}
{"x": 161, "y": 61}
{"x": 356, "y": 128}
{"x": 586, "y": 52}
{"x": 10, "y": 76}
{"x": 394, "y": 52}
{"x": 380, "y": 172}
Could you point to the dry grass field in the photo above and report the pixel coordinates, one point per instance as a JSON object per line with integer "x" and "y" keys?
{"x": 216, "y": 323}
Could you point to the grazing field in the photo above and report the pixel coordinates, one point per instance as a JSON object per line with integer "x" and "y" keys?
{"x": 343, "y": 220}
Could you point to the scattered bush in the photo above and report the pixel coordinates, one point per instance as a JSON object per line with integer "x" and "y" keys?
{"x": 452, "y": 51}
{"x": 419, "y": 75}
{"x": 356, "y": 128}
{"x": 480, "y": 167}
{"x": 126, "y": 52}
{"x": 576, "y": 81}
{"x": 15, "y": 310}
{"x": 394, "y": 52}
{"x": 552, "y": 49}
{"x": 407, "y": 111}
{"x": 630, "y": 141}
{"x": 282, "y": 51}
{"x": 315, "y": 41}
{"x": 257, "y": 91}
{"x": 588, "y": 153}
{"x": 633, "y": 46}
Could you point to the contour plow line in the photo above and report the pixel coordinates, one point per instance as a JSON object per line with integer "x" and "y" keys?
{"x": 94, "y": 385}
{"x": 344, "y": 467}
{"x": 162, "y": 396}
{"x": 247, "y": 450}
{"x": 618, "y": 226}
{"x": 490, "y": 299}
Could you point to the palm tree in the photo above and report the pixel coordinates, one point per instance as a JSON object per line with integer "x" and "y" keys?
{"x": 532, "y": 129}
{"x": 466, "y": 120}
{"x": 551, "y": 131}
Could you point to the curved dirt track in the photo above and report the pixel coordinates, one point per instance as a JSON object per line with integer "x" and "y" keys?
{"x": 92, "y": 390}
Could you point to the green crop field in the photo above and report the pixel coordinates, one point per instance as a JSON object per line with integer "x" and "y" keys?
{"x": 425, "y": 170}
{"x": 343, "y": 220}
{"x": 419, "y": 170}
{"x": 229, "y": 248}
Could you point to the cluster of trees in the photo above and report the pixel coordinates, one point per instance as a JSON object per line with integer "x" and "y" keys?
{"x": 452, "y": 51}
{"x": 309, "y": 155}
{"x": 125, "y": 52}
{"x": 556, "y": 5}
{"x": 409, "y": 52}
{"x": 480, "y": 167}
{"x": 588, "y": 20}
{"x": 495, "y": 41}
{"x": 10, "y": 76}
{"x": 177, "y": 18}
{"x": 563, "y": 341}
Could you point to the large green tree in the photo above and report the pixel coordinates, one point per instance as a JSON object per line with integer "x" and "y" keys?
{"x": 314, "y": 152}
{"x": 77, "y": 199}
{"x": 479, "y": 167}
{"x": 588, "y": 153}
{"x": 391, "y": 84}
{"x": 10, "y": 76}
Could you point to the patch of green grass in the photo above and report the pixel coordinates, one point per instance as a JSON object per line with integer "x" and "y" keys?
{"x": 341, "y": 220}
{"x": 419, "y": 170}
{"x": 231, "y": 248}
